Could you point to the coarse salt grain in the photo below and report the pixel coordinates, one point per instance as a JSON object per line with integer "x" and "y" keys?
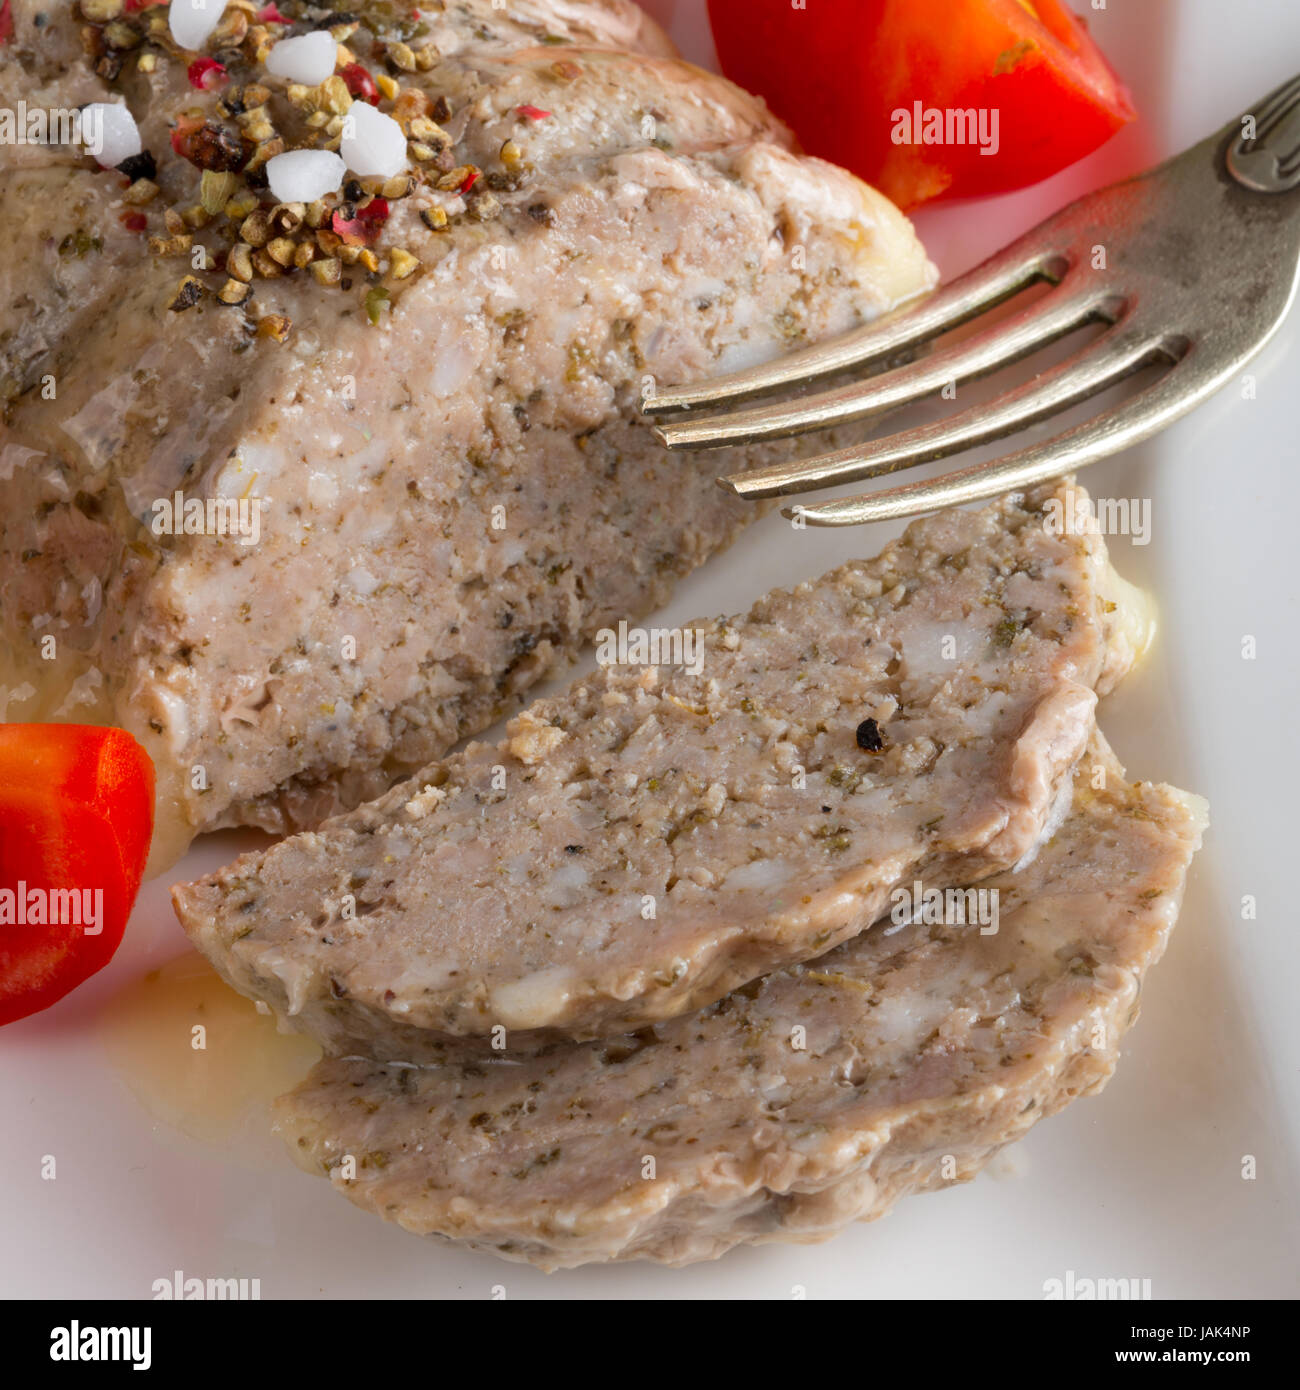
{"x": 303, "y": 176}
{"x": 112, "y": 128}
{"x": 373, "y": 145}
{"x": 309, "y": 58}
{"x": 191, "y": 21}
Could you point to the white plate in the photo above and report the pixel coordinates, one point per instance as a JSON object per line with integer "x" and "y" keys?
{"x": 1145, "y": 1181}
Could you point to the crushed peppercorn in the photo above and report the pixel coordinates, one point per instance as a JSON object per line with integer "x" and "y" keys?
{"x": 869, "y": 736}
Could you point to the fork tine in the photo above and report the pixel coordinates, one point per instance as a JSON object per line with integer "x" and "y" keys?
{"x": 1273, "y": 106}
{"x": 1002, "y": 275}
{"x": 1135, "y": 420}
{"x": 1117, "y": 354}
{"x": 1033, "y": 327}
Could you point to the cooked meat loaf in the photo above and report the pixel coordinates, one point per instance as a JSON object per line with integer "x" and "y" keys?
{"x": 653, "y": 838}
{"x": 453, "y": 489}
{"x": 900, "y": 1062}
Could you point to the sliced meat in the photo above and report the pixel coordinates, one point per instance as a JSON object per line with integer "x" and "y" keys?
{"x": 453, "y": 498}
{"x": 898, "y": 1063}
{"x": 655, "y": 837}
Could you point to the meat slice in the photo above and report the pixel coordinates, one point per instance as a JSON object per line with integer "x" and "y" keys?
{"x": 451, "y": 498}
{"x": 899, "y": 1063}
{"x": 655, "y": 837}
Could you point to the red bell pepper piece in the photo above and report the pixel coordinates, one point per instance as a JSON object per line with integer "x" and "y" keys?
{"x": 852, "y": 79}
{"x": 76, "y": 819}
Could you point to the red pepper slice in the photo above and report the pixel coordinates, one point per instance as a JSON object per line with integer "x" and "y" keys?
{"x": 268, "y": 14}
{"x": 6, "y": 22}
{"x": 76, "y": 818}
{"x": 533, "y": 113}
{"x": 852, "y": 78}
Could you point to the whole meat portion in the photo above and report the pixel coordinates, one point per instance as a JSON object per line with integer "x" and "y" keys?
{"x": 452, "y": 488}
{"x": 820, "y": 1095}
{"x": 659, "y": 835}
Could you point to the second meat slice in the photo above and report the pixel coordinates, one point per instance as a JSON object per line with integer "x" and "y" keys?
{"x": 657, "y": 836}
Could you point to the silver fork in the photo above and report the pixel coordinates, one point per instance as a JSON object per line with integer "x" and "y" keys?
{"x": 1198, "y": 267}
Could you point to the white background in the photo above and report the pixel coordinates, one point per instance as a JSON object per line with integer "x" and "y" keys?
{"x": 1141, "y": 1182}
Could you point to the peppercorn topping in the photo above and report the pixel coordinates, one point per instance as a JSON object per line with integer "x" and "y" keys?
{"x": 869, "y": 737}
{"x": 254, "y": 140}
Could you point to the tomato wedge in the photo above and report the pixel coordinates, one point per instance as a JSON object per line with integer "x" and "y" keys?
{"x": 928, "y": 98}
{"x": 76, "y": 819}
